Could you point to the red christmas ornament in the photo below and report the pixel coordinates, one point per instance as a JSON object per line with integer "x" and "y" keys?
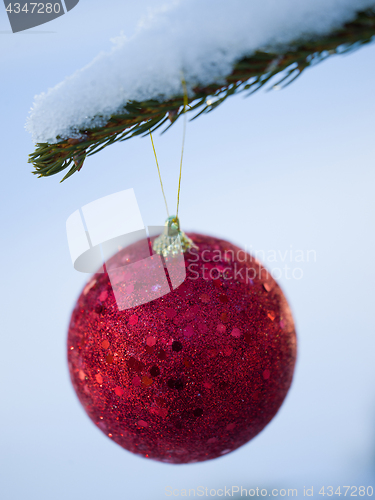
{"x": 194, "y": 374}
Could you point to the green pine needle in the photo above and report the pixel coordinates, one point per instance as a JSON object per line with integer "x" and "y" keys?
{"x": 250, "y": 74}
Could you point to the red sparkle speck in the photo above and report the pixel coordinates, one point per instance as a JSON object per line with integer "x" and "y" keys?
{"x": 133, "y": 320}
{"x": 151, "y": 341}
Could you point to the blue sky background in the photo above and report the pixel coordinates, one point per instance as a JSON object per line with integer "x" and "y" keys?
{"x": 290, "y": 169}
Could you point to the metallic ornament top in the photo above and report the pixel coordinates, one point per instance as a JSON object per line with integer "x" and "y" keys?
{"x": 173, "y": 241}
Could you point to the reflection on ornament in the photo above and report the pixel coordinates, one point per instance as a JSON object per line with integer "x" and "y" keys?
{"x": 194, "y": 374}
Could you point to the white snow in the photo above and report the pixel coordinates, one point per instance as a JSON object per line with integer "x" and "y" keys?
{"x": 202, "y": 38}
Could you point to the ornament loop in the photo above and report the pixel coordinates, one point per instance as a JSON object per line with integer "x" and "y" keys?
{"x": 172, "y": 241}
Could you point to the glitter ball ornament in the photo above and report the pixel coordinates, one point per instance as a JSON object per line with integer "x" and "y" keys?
{"x": 194, "y": 374}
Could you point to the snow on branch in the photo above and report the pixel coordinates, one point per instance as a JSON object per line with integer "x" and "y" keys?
{"x": 203, "y": 39}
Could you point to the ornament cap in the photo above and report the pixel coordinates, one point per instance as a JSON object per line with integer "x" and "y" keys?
{"x": 172, "y": 241}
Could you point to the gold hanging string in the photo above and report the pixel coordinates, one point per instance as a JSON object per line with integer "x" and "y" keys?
{"x": 161, "y": 182}
{"x": 182, "y": 151}
{"x": 167, "y": 243}
{"x": 183, "y": 139}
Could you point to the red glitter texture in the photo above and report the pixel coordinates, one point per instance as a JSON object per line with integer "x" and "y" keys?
{"x": 192, "y": 375}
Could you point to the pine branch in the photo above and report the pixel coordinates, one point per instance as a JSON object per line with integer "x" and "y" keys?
{"x": 249, "y": 74}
